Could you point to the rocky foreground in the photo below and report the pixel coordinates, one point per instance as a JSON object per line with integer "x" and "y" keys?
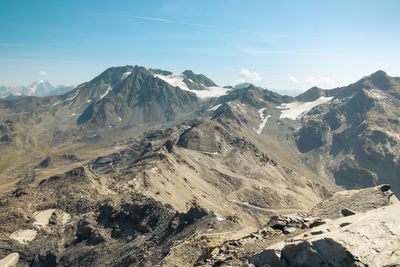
{"x": 356, "y": 228}
{"x": 79, "y": 224}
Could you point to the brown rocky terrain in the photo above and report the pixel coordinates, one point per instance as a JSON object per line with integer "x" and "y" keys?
{"x": 138, "y": 168}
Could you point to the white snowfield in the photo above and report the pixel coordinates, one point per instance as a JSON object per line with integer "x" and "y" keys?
{"x": 176, "y": 80}
{"x": 264, "y": 120}
{"x": 295, "y": 110}
{"x": 126, "y": 74}
{"x": 68, "y": 99}
{"x": 106, "y": 93}
{"x": 214, "y": 108}
{"x": 72, "y": 97}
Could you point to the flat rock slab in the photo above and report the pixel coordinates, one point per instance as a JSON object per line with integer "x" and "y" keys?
{"x": 10, "y": 260}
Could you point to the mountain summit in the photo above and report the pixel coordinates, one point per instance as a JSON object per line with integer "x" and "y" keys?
{"x": 134, "y": 95}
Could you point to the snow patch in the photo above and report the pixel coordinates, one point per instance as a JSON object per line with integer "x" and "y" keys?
{"x": 176, "y": 80}
{"x": 68, "y": 99}
{"x": 119, "y": 119}
{"x": 214, "y": 107}
{"x": 24, "y": 236}
{"x": 212, "y": 91}
{"x": 376, "y": 94}
{"x": 42, "y": 217}
{"x": 73, "y": 97}
{"x": 56, "y": 103}
{"x": 106, "y": 92}
{"x": 88, "y": 101}
{"x": 294, "y": 110}
{"x": 125, "y": 75}
{"x": 264, "y": 120}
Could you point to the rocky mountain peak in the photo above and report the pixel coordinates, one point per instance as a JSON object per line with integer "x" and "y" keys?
{"x": 198, "y": 78}
{"x": 243, "y": 85}
{"x": 129, "y": 95}
{"x": 379, "y": 80}
{"x": 40, "y": 83}
{"x": 379, "y": 74}
{"x": 162, "y": 72}
{"x": 311, "y": 94}
{"x": 113, "y": 74}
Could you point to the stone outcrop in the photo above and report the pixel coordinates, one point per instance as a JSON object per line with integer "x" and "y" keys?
{"x": 363, "y": 239}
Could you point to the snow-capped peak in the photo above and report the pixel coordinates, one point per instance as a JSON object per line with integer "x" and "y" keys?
{"x": 176, "y": 80}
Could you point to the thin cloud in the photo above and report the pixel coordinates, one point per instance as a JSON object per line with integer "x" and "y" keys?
{"x": 293, "y": 80}
{"x": 28, "y": 45}
{"x": 13, "y": 45}
{"x": 247, "y": 74}
{"x": 157, "y": 19}
{"x": 172, "y": 21}
{"x": 152, "y": 19}
{"x": 239, "y": 81}
{"x": 42, "y": 73}
{"x": 315, "y": 81}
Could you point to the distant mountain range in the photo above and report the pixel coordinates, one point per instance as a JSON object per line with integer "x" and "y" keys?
{"x": 145, "y": 167}
{"x": 39, "y": 88}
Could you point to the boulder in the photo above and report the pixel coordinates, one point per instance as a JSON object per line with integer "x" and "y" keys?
{"x": 267, "y": 257}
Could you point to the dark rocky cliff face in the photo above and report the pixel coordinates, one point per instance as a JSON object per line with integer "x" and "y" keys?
{"x": 359, "y": 132}
{"x": 140, "y": 98}
{"x": 198, "y": 78}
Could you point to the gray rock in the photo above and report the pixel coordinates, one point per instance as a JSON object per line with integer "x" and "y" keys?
{"x": 347, "y": 212}
{"x": 267, "y": 257}
{"x": 277, "y": 223}
{"x": 334, "y": 253}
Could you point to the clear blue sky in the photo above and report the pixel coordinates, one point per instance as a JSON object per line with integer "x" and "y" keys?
{"x": 276, "y": 44}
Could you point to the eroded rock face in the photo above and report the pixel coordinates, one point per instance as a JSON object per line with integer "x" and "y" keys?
{"x": 325, "y": 252}
{"x": 367, "y": 234}
{"x": 292, "y": 223}
{"x": 345, "y": 203}
{"x": 100, "y": 224}
{"x": 266, "y": 257}
{"x": 362, "y": 239}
